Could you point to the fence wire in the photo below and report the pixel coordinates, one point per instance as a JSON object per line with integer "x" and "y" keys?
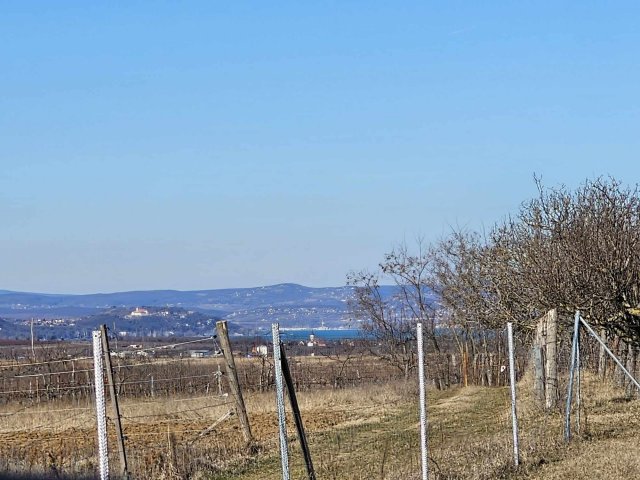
{"x": 178, "y": 415}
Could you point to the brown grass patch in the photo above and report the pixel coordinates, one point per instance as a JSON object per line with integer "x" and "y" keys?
{"x": 366, "y": 432}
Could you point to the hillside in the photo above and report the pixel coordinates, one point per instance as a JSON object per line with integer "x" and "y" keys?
{"x": 289, "y": 304}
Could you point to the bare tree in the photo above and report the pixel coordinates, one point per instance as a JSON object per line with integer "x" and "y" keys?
{"x": 565, "y": 249}
{"x": 383, "y": 322}
{"x": 579, "y": 250}
{"x": 388, "y": 313}
{"x": 411, "y": 274}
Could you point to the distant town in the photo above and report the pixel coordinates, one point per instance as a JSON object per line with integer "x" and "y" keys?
{"x": 166, "y": 313}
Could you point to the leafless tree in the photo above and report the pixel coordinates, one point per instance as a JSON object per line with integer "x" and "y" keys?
{"x": 579, "y": 250}
{"x": 388, "y": 314}
{"x": 565, "y": 249}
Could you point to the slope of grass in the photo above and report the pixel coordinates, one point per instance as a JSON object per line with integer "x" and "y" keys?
{"x": 369, "y": 432}
{"x": 376, "y": 436}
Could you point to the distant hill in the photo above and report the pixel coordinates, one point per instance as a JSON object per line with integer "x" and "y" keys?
{"x": 10, "y": 330}
{"x": 289, "y": 304}
{"x": 223, "y": 299}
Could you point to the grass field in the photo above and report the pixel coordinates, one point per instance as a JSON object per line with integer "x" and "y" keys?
{"x": 366, "y": 432}
{"x": 469, "y": 437}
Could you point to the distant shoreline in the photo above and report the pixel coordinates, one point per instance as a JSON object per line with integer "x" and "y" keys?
{"x": 297, "y": 333}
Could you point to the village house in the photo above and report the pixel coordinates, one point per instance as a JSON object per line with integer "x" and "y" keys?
{"x": 139, "y": 312}
{"x": 199, "y": 353}
{"x": 260, "y": 350}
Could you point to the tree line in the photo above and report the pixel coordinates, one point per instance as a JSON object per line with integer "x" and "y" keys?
{"x": 564, "y": 249}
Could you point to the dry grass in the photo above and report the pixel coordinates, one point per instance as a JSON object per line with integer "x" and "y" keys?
{"x": 606, "y": 445}
{"x": 470, "y": 436}
{"x": 368, "y": 432}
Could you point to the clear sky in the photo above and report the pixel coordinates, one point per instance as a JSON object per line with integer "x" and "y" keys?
{"x": 196, "y": 145}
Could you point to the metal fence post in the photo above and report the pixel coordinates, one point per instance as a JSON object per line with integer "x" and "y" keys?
{"x": 122, "y": 452}
{"x": 578, "y": 385}
{"x": 609, "y": 352}
{"x": 282, "y": 427}
{"x": 423, "y": 404}
{"x": 512, "y": 381}
{"x": 574, "y": 353}
{"x": 101, "y": 412}
{"x": 297, "y": 416}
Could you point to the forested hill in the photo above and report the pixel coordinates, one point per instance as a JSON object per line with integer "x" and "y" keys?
{"x": 290, "y": 304}
{"x": 222, "y": 299}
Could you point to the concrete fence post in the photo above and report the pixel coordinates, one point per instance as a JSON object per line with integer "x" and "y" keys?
{"x": 101, "y": 412}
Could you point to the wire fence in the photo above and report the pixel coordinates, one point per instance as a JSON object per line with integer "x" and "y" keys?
{"x": 177, "y": 411}
{"x": 47, "y": 419}
{"x": 179, "y": 417}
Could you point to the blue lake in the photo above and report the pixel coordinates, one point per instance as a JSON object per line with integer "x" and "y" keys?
{"x": 323, "y": 334}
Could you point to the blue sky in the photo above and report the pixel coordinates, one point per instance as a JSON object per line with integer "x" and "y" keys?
{"x": 199, "y": 145}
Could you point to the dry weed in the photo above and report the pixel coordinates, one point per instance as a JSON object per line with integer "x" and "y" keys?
{"x": 366, "y": 432}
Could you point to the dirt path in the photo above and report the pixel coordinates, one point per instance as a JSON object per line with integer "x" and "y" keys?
{"x": 382, "y": 441}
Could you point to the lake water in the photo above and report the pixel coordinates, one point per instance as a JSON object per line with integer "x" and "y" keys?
{"x": 323, "y": 334}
